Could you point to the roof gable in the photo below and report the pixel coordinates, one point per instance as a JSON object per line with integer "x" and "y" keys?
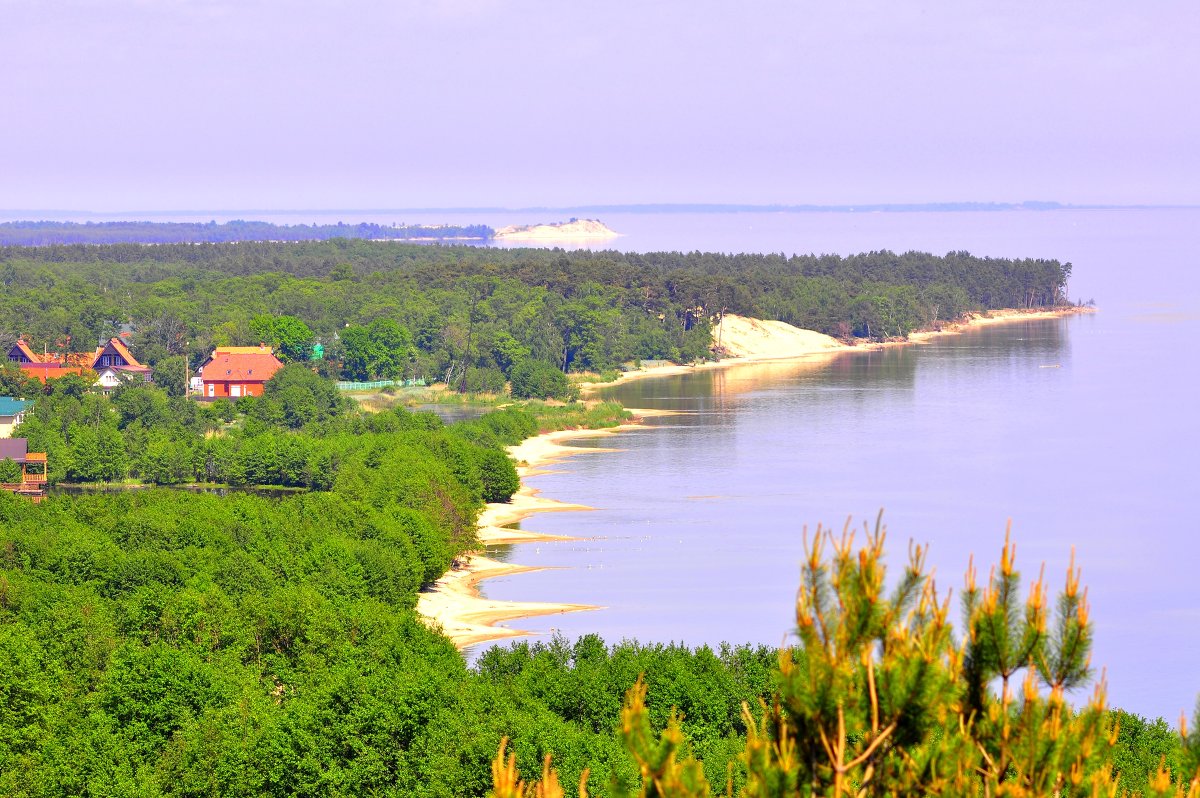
{"x": 116, "y": 353}
{"x": 21, "y": 350}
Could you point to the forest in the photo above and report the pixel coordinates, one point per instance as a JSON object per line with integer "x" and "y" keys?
{"x": 469, "y": 316}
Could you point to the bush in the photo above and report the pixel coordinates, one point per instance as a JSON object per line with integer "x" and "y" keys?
{"x": 485, "y": 380}
{"x": 535, "y": 379}
{"x": 499, "y": 475}
{"x": 10, "y": 470}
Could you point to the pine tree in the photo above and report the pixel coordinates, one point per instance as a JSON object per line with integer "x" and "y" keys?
{"x": 880, "y": 698}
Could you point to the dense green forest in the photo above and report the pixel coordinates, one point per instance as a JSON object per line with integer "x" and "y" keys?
{"x": 45, "y": 233}
{"x": 469, "y": 316}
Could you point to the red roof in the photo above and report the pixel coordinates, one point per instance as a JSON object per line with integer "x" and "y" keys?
{"x": 51, "y": 371}
{"x": 223, "y": 367}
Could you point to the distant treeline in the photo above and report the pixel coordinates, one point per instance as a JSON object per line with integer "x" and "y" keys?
{"x": 38, "y": 234}
{"x": 470, "y": 316}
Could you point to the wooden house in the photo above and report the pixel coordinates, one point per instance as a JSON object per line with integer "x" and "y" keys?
{"x": 44, "y": 367}
{"x": 236, "y": 371}
{"x": 22, "y": 354}
{"x": 33, "y": 468}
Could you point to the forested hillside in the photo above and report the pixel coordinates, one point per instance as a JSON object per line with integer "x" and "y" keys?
{"x": 470, "y": 315}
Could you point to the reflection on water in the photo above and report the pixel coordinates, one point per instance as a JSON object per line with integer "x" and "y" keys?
{"x": 697, "y": 533}
{"x": 452, "y": 413}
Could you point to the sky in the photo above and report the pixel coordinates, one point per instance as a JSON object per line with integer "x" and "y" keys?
{"x": 111, "y": 105}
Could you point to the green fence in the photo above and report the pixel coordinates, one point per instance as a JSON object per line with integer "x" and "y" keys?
{"x": 346, "y": 385}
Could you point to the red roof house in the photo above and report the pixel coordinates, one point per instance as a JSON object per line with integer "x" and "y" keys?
{"x": 238, "y": 372}
{"x": 113, "y": 361}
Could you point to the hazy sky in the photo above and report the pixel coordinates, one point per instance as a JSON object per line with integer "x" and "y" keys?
{"x": 205, "y": 104}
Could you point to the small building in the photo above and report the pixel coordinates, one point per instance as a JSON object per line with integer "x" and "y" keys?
{"x": 33, "y": 468}
{"x": 236, "y": 371}
{"x": 50, "y": 365}
{"x": 12, "y": 413}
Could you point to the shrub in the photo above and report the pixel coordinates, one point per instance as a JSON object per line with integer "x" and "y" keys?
{"x": 535, "y": 379}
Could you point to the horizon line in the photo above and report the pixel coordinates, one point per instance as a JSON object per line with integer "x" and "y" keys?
{"x": 656, "y": 207}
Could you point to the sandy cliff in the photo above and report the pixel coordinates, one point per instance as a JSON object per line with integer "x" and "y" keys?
{"x": 755, "y": 339}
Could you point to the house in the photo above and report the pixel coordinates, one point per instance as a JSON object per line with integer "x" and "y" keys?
{"x": 109, "y": 364}
{"x": 33, "y": 468}
{"x": 113, "y": 363}
{"x": 12, "y": 413}
{"x": 236, "y": 371}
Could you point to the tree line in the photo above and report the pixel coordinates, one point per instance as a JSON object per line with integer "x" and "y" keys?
{"x": 470, "y": 316}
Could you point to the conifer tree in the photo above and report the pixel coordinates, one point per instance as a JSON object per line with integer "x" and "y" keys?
{"x": 880, "y": 698}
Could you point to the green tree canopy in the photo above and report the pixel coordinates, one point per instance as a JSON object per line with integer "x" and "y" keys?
{"x": 381, "y": 350}
{"x": 291, "y": 338}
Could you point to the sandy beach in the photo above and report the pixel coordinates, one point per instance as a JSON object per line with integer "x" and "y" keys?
{"x": 454, "y": 602}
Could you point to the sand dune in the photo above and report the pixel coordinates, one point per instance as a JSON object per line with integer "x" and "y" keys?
{"x": 755, "y": 339}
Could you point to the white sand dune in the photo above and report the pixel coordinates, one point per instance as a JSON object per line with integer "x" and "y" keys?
{"x": 755, "y": 339}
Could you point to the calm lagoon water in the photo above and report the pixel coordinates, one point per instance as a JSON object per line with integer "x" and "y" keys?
{"x": 1083, "y": 431}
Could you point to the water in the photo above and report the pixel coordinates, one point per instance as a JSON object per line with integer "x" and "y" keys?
{"x": 1081, "y": 430}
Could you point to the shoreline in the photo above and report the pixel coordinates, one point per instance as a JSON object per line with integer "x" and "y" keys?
{"x": 455, "y": 602}
{"x": 919, "y": 337}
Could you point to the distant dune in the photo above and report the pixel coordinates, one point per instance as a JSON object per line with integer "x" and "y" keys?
{"x": 755, "y": 339}
{"x": 574, "y": 230}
